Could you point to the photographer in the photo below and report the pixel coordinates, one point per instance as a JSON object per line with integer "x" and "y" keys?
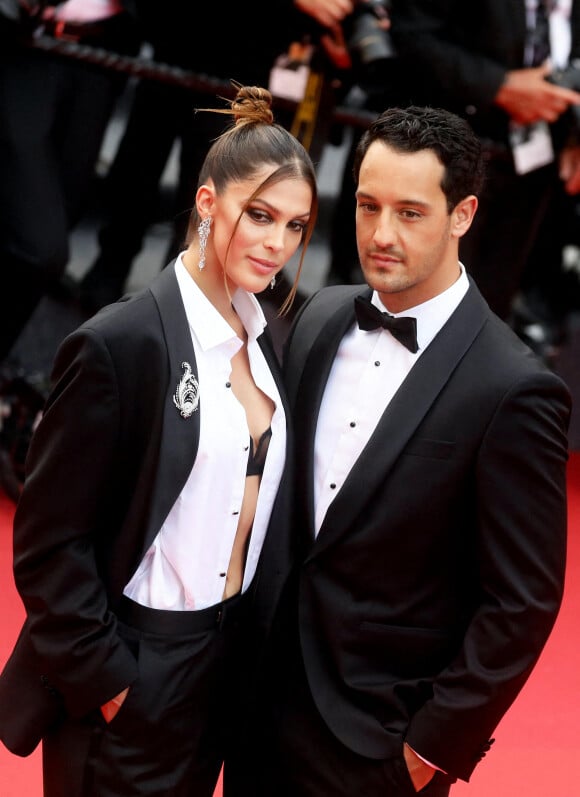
{"x": 357, "y": 42}
{"x": 498, "y": 65}
{"x": 353, "y": 33}
{"x": 53, "y": 116}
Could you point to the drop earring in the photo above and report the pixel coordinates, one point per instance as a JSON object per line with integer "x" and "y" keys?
{"x": 272, "y": 283}
{"x": 203, "y": 233}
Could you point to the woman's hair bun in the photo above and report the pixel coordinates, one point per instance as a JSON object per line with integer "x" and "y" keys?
{"x": 252, "y": 104}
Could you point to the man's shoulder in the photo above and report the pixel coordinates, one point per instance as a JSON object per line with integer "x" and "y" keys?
{"x": 506, "y": 359}
{"x": 321, "y": 306}
{"x": 339, "y": 292}
{"x": 332, "y": 297}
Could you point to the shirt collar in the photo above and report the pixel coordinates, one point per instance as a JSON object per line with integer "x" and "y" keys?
{"x": 209, "y": 326}
{"x": 432, "y": 314}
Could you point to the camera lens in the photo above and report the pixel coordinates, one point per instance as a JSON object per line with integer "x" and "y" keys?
{"x": 370, "y": 44}
{"x": 368, "y": 40}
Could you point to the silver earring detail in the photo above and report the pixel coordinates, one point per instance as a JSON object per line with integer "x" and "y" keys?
{"x": 203, "y": 233}
{"x": 272, "y": 283}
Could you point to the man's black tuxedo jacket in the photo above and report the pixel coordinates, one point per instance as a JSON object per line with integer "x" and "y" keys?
{"x": 437, "y": 574}
{"x": 105, "y": 466}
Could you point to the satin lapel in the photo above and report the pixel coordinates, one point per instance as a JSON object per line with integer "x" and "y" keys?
{"x": 179, "y": 436}
{"x": 277, "y": 547}
{"x": 266, "y": 345}
{"x": 403, "y": 415}
{"x": 309, "y": 396}
{"x": 269, "y": 352}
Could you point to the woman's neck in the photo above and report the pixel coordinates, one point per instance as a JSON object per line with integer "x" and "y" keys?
{"x": 210, "y": 280}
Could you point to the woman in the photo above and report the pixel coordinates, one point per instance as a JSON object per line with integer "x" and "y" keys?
{"x": 150, "y": 537}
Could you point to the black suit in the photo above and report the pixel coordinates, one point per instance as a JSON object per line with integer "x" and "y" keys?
{"x": 95, "y": 512}
{"x": 436, "y": 576}
{"x": 455, "y": 55}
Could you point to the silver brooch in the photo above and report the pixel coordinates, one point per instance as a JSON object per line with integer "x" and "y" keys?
{"x": 186, "y": 397}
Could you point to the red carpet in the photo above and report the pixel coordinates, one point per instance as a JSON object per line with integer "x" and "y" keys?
{"x": 536, "y": 744}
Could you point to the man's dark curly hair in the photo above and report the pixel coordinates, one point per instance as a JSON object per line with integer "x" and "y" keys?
{"x": 451, "y": 138}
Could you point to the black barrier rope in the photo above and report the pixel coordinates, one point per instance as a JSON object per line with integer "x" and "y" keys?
{"x": 175, "y": 75}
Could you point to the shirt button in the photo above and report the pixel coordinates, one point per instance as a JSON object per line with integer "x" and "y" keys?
{"x": 228, "y": 384}
{"x": 332, "y": 486}
{"x": 377, "y": 363}
{"x": 352, "y": 424}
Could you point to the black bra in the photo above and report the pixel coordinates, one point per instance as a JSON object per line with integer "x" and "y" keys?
{"x": 256, "y": 460}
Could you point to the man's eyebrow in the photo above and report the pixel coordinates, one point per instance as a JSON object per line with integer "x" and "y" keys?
{"x": 404, "y": 201}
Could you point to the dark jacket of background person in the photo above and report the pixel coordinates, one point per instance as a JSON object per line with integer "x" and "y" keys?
{"x": 54, "y": 113}
{"x": 455, "y": 55}
{"x": 228, "y": 45}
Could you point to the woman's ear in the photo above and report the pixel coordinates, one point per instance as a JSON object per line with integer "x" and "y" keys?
{"x": 205, "y": 199}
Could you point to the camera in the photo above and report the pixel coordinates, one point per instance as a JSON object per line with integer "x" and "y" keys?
{"x": 368, "y": 40}
{"x": 569, "y": 77}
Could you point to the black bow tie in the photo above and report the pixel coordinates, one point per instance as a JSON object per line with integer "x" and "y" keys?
{"x": 370, "y": 317}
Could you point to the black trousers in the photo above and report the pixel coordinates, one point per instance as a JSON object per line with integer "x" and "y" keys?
{"x": 302, "y": 758}
{"x": 299, "y": 755}
{"x": 179, "y": 720}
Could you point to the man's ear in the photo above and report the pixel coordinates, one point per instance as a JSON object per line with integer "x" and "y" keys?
{"x": 205, "y": 199}
{"x": 462, "y": 215}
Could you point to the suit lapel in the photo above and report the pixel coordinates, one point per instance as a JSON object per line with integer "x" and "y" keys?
{"x": 267, "y": 347}
{"x": 179, "y": 435}
{"x": 403, "y": 415}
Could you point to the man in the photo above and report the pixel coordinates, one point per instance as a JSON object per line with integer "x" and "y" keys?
{"x": 497, "y": 65}
{"x": 431, "y": 495}
{"x": 362, "y": 66}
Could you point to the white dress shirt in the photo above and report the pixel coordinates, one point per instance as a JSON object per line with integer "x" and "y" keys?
{"x": 559, "y": 18}
{"x": 368, "y": 370}
{"x": 185, "y": 567}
